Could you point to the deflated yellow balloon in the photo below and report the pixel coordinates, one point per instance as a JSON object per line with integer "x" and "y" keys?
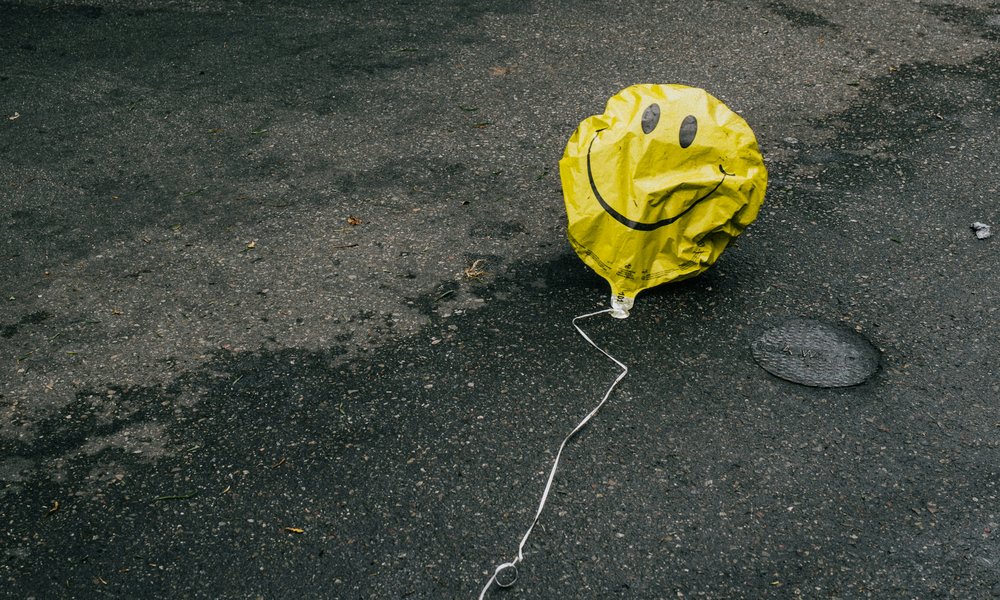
{"x": 658, "y": 185}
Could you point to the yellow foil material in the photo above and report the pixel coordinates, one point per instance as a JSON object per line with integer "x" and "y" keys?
{"x": 658, "y": 185}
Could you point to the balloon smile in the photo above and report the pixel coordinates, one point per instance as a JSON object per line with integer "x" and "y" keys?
{"x": 640, "y": 225}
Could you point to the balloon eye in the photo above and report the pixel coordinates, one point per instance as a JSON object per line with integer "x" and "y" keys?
{"x": 650, "y": 117}
{"x": 689, "y": 129}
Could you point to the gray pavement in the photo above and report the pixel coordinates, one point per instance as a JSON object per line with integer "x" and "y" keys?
{"x": 242, "y": 355}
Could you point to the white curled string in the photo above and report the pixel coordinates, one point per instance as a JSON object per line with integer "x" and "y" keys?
{"x": 555, "y": 464}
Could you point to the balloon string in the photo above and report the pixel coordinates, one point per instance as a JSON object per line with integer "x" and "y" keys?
{"x": 555, "y": 464}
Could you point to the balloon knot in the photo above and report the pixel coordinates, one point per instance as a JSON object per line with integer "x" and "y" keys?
{"x": 620, "y": 305}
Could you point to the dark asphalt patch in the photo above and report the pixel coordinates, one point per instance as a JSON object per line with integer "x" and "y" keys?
{"x": 34, "y": 318}
{"x": 983, "y": 22}
{"x": 800, "y": 17}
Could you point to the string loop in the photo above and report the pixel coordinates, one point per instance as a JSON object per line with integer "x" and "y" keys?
{"x": 555, "y": 463}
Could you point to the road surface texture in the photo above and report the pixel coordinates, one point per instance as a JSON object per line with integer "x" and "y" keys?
{"x": 286, "y": 304}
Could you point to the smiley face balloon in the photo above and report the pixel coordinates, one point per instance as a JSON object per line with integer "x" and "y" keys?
{"x": 658, "y": 186}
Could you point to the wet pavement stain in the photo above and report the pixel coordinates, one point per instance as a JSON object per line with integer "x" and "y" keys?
{"x": 800, "y": 17}
{"x": 35, "y": 318}
{"x": 983, "y": 22}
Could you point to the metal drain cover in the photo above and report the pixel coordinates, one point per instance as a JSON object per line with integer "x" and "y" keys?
{"x": 816, "y": 354}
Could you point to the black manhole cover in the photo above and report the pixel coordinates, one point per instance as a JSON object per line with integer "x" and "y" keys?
{"x": 816, "y": 354}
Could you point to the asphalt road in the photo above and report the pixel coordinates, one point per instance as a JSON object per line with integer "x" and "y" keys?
{"x": 242, "y": 354}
